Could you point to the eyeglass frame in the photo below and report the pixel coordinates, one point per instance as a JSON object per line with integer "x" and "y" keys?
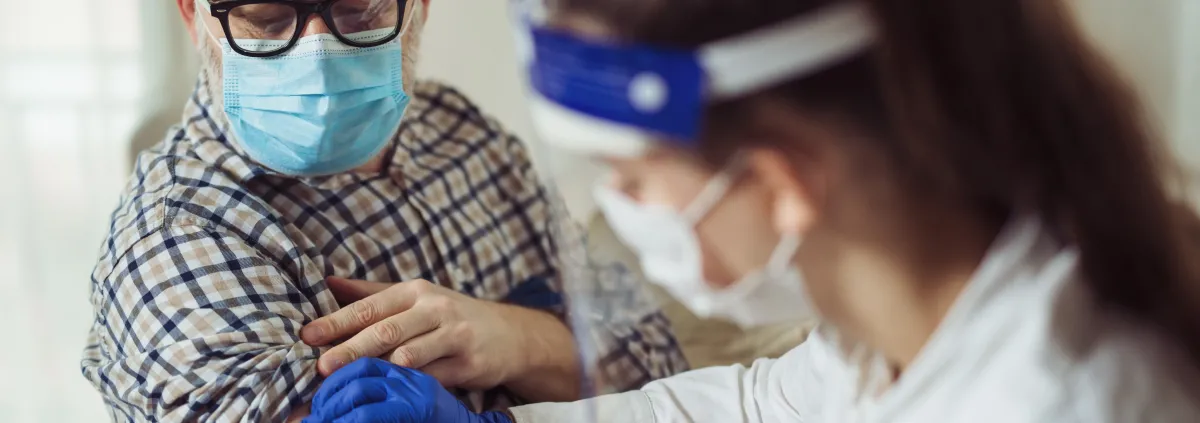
{"x": 304, "y": 11}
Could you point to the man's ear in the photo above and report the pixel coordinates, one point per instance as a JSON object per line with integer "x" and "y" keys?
{"x": 425, "y": 9}
{"x": 187, "y": 11}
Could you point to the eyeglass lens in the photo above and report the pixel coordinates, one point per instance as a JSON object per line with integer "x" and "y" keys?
{"x": 267, "y": 27}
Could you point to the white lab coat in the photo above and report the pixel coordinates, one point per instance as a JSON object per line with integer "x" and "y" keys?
{"x": 1023, "y": 343}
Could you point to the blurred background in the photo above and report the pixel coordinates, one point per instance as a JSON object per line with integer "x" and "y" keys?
{"x": 83, "y": 83}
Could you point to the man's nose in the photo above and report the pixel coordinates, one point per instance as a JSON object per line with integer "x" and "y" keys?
{"x": 315, "y": 25}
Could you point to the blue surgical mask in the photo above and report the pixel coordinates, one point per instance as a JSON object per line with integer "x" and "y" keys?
{"x": 321, "y": 108}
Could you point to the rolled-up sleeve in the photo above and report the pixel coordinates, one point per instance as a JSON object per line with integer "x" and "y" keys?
{"x": 194, "y": 325}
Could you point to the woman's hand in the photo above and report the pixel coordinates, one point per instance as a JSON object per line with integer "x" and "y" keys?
{"x": 371, "y": 390}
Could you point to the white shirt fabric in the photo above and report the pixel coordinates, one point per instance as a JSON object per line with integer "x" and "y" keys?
{"x": 1025, "y": 342}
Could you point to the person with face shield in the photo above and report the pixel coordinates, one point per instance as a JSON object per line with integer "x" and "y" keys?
{"x": 964, "y": 192}
{"x": 317, "y": 204}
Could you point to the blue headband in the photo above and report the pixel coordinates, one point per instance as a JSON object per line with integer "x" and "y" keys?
{"x": 612, "y": 98}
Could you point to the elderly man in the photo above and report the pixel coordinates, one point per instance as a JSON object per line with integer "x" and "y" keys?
{"x": 308, "y": 154}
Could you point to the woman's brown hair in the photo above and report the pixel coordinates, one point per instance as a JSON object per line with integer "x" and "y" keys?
{"x": 1000, "y": 103}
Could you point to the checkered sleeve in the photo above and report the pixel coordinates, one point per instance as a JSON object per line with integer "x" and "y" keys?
{"x": 194, "y": 325}
{"x": 626, "y": 340}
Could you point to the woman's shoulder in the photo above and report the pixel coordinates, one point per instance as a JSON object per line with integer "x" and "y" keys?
{"x": 1128, "y": 373}
{"x": 1100, "y": 367}
{"x": 1070, "y": 359}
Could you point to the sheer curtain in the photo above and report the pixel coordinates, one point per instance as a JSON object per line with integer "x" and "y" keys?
{"x": 75, "y": 78}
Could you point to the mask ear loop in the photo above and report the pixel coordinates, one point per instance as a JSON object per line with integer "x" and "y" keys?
{"x": 782, "y": 257}
{"x": 714, "y": 191}
{"x": 204, "y": 5}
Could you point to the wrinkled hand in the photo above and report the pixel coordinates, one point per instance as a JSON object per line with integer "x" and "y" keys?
{"x": 461, "y": 341}
{"x": 371, "y": 390}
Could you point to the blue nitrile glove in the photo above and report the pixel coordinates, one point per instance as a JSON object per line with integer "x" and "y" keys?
{"x": 371, "y": 390}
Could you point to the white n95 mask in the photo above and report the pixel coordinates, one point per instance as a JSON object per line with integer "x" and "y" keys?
{"x": 666, "y": 243}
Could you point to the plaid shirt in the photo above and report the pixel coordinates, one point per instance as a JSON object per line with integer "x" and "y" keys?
{"x": 213, "y": 263}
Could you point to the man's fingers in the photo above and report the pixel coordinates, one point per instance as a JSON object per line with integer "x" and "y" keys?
{"x": 348, "y": 291}
{"x": 424, "y": 349}
{"x": 378, "y": 339}
{"x": 358, "y": 316}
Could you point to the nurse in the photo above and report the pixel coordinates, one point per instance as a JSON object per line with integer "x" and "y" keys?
{"x": 964, "y": 192}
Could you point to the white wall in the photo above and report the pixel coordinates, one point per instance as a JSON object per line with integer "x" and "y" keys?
{"x": 1157, "y": 44}
{"x": 170, "y": 64}
{"x": 1187, "y": 114}
{"x": 470, "y": 43}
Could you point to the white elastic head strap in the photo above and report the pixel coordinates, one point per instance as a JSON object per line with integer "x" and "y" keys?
{"x": 801, "y": 46}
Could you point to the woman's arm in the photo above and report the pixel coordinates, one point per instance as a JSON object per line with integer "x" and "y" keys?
{"x": 768, "y": 390}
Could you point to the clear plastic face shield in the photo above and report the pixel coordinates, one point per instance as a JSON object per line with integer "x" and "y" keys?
{"x": 603, "y": 99}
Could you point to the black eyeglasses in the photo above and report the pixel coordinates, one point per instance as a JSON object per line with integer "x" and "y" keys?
{"x": 265, "y": 28}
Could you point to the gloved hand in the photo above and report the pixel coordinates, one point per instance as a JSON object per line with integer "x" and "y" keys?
{"x": 371, "y": 390}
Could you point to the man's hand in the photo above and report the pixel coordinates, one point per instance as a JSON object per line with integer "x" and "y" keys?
{"x": 462, "y": 341}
